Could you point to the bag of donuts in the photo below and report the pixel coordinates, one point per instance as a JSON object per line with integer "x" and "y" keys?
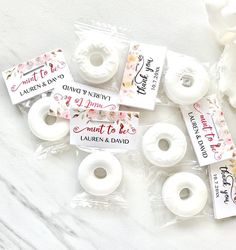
{"x": 100, "y": 54}
{"x": 155, "y": 75}
{"x": 29, "y": 85}
{"x": 103, "y": 139}
{"x": 179, "y": 194}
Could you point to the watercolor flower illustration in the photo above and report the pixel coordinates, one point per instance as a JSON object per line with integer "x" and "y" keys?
{"x": 22, "y": 68}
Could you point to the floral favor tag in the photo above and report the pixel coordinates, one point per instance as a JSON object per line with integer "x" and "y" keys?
{"x": 104, "y": 129}
{"x": 208, "y": 131}
{"x": 75, "y": 95}
{"x": 142, "y": 75}
{"x": 223, "y": 187}
{"x": 36, "y": 76}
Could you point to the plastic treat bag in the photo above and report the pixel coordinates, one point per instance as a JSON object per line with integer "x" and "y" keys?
{"x": 109, "y": 180}
{"x": 103, "y": 139}
{"x": 185, "y": 80}
{"x": 165, "y": 141}
{"x": 100, "y": 54}
{"x": 179, "y": 194}
{"x": 29, "y": 85}
{"x": 155, "y": 75}
{"x": 101, "y": 182}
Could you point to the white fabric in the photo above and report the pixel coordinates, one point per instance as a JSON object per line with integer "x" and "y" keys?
{"x": 191, "y": 205}
{"x": 100, "y": 186}
{"x": 175, "y": 138}
{"x": 227, "y": 73}
{"x": 38, "y": 126}
{"x": 222, "y": 17}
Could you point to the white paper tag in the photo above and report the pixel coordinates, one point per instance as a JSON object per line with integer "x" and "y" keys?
{"x": 104, "y": 129}
{"x": 71, "y": 95}
{"x": 208, "y": 131}
{"x": 36, "y": 76}
{"x": 223, "y": 186}
{"x": 142, "y": 75}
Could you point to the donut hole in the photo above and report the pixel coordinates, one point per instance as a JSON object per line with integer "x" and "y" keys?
{"x": 164, "y": 144}
{"x": 100, "y": 173}
{"x": 50, "y": 120}
{"x": 186, "y": 80}
{"x": 185, "y": 193}
{"x": 96, "y": 59}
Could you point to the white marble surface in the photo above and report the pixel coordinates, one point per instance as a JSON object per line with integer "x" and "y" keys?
{"x": 34, "y": 195}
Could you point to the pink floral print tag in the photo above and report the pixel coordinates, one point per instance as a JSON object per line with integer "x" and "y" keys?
{"x": 69, "y": 95}
{"x": 36, "y": 76}
{"x": 104, "y": 129}
{"x": 208, "y": 131}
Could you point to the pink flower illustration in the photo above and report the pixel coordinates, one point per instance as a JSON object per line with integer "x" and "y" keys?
{"x": 122, "y": 115}
{"x": 228, "y": 140}
{"x": 91, "y": 114}
{"x": 45, "y": 58}
{"x": 20, "y": 68}
{"x": 66, "y": 114}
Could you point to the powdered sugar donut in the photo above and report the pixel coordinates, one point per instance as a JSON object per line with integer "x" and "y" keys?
{"x": 186, "y": 82}
{"x": 100, "y": 173}
{"x": 190, "y": 205}
{"x": 97, "y": 61}
{"x": 38, "y": 126}
{"x": 169, "y": 134}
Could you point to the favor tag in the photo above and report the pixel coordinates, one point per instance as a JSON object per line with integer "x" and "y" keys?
{"x": 75, "y": 95}
{"x": 36, "y": 76}
{"x": 208, "y": 131}
{"x": 223, "y": 187}
{"x": 142, "y": 75}
{"x": 104, "y": 129}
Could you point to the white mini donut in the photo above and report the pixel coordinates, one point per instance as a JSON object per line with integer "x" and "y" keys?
{"x": 100, "y": 185}
{"x": 38, "y": 126}
{"x": 175, "y": 138}
{"x": 191, "y": 205}
{"x": 186, "y": 82}
{"x": 97, "y": 61}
